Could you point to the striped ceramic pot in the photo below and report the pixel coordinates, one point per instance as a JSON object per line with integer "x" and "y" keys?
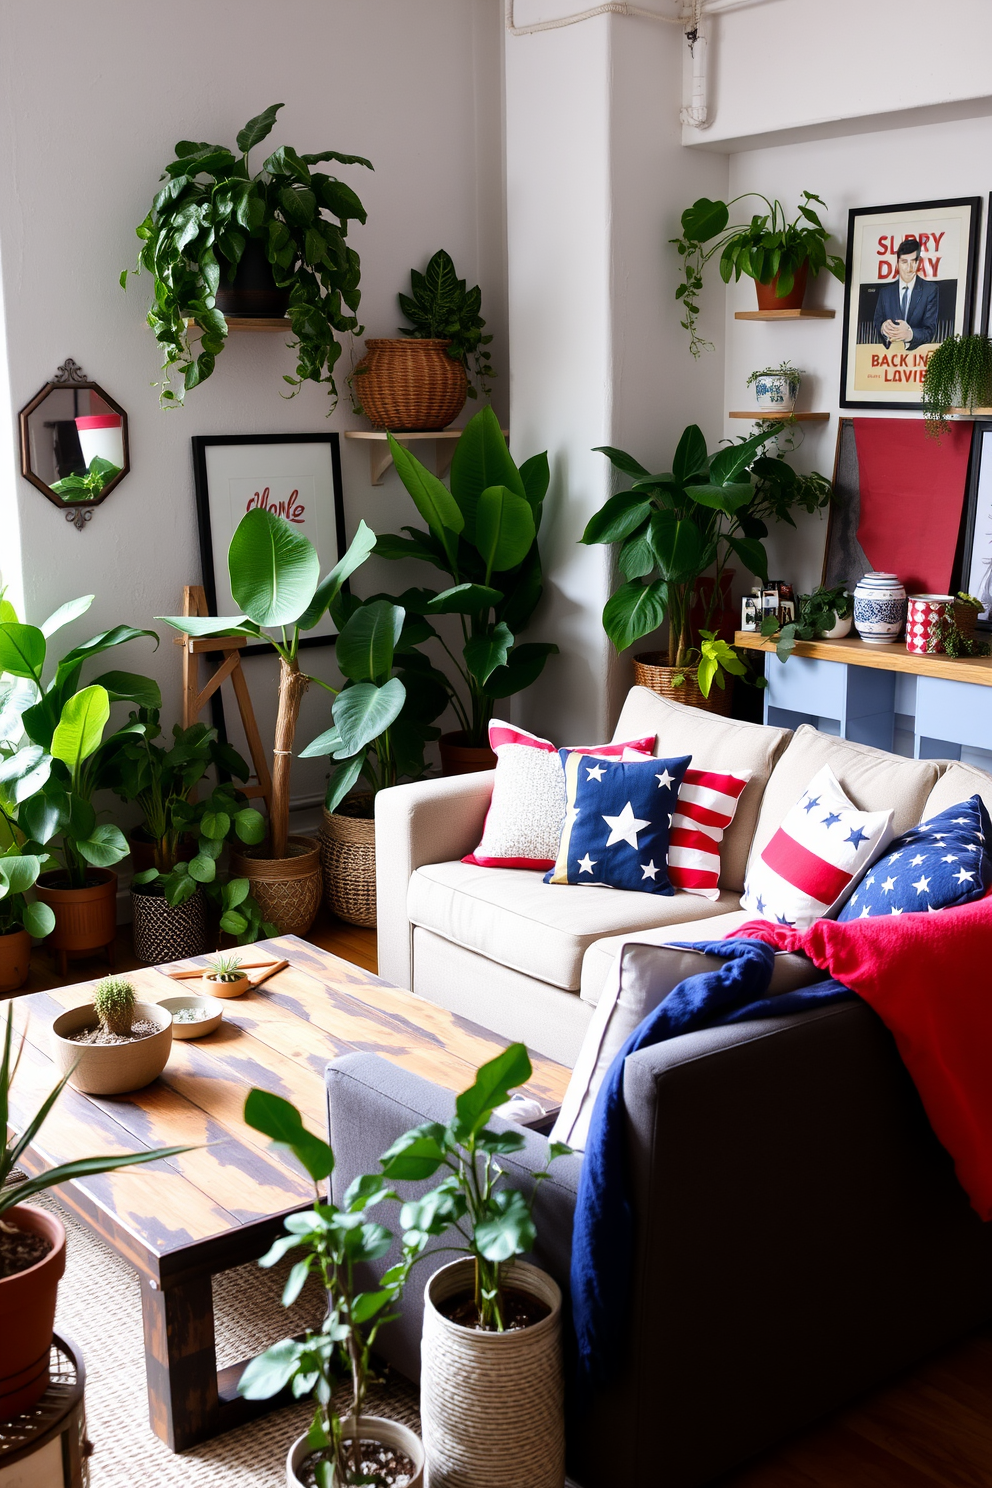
{"x": 879, "y": 609}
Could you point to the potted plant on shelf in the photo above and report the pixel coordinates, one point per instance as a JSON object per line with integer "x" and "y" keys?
{"x": 483, "y": 535}
{"x": 32, "y": 1240}
{"x": 967, "y": 608}
{"x": 275, "y": 577}
{"x": 422, "y": 382}
{"x": 826, "y": 615}
{"x": 336, "y": 1242}
{"x": 492, "y": 1323}
{"x": 114, "y": 1044}
{"x": 776, "y": 388}
{"x": 958, "y": 375}
{"x": 222, "y": 241}
{"x": 777, "y": 254}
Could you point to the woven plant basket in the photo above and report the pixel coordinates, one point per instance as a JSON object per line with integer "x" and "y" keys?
{"x": 347, "y": 856}
{"x": 409, "y": 385}
{"x": 166, "y": 932}
{"x": 650, "y": 672}
{"x": 966, "y": 618}
{"x": 287, "y": 890}
{"x": 491, "y": 1404}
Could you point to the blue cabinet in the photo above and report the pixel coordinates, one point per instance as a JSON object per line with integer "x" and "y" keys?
{"x": 854, "y": 702}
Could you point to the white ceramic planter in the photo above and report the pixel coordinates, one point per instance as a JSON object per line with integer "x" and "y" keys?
{"x": 839, "y": 629}
{"x": 111, "y": 1069}
{"x": 879, "y": 609}
{"x": 101, "y": 435}
{"x": 492, "y": 1404}
{"x": 371, "y": 1428}
{"x": 776, "y": 392}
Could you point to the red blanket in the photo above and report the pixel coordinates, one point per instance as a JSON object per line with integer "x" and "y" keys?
{"x": 929, "y": 978}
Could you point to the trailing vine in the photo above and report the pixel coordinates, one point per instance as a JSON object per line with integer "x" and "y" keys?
{"x": 958, "y": 375}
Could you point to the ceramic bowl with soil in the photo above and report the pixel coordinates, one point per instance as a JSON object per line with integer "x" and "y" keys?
{"x": 112, "y": 1063}
{"x": 193, "y": 1017}
{"x": 392, "y": 1455}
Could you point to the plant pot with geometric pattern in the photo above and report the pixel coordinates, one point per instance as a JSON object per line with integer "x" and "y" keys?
{"x": 287, "y": 890}
{"x": 166, "y": 932}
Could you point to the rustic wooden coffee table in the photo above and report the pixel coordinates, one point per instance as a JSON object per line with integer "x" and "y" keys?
{"x": 180, "y": 1222}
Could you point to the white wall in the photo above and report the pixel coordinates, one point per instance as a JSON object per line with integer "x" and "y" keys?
{"x": 94, "y": 97}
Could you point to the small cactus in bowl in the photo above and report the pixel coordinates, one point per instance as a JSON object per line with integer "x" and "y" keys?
{"x": 114, "y": 1003}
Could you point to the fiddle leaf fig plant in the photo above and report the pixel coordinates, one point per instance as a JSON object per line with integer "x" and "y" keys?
{"x": 200, "y": 225}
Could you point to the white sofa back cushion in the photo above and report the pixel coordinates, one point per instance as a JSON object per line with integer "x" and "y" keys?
{"x": 958, "y": 783}
{"x": 715, "y": 743}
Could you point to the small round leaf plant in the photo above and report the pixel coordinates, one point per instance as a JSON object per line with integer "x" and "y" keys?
{"x": 199, "y": 226}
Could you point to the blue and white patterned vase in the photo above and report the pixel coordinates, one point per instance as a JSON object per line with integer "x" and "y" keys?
{"x": 777, "y": 392}
{"x": 879, "y": 609}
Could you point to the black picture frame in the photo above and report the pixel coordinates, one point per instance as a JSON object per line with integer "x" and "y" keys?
{"x": 978, "y": 513}
{"x": 208, "y": 518}
{"x": 970, "y": 207}
{"x": 987, "y": 275}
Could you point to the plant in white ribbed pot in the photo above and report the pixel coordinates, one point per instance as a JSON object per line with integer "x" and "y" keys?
{"x": 358, "y": 1449}
{"x": 491, "y": 1381}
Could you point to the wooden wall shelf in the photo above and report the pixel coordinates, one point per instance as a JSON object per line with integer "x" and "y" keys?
{"x": 380, "y": 455}
{"x": 253, "y": 323}
{"x": 893, "y": 658}
{"x": 784, "y": 314}
{"x": 764, "y": 417}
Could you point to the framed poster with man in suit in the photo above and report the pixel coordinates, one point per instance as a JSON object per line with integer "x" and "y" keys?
{"x": 910, "y": 284}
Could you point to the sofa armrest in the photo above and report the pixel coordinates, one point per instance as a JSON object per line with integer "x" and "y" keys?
{"x": 430, "y": 821}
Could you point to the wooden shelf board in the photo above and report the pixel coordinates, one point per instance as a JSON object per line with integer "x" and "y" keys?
{"x": 891, "y": 658}
{"x": 254, "y": 323}
{"x": 762, "y": 416}
{"x": 784, "y": 314}
{"x": 970, "y": 412}
{"x": 380, "y": 458}
{"x": 404, "y": 437}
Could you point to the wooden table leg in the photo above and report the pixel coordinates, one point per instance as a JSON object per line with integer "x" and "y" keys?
{"x": 180, "y": 1360}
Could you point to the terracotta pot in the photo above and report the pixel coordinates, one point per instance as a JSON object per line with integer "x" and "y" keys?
{"x": 371, "y": 1428}
{"x": 287, "y": 890}
{"x": 213, "y": 987}
{"x": 769, "y": 300}
{"x": 111, "y": 1069}
{"x": 460, "y": 758}
{"x": 254, "y": 292}
{"x": 15, "y": 960}
{"x": 27, "y": 1314}
{"x": 409, "y": 384}
{"x": 85, "y": 919}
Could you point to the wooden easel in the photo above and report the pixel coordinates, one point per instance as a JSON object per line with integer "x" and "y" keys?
{"x": 195, "y": 697}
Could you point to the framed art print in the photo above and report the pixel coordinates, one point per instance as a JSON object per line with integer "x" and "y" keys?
{"x": 297, "y": 476}
{"x": 976, "y": 565}
{"x": 909, "y": 285}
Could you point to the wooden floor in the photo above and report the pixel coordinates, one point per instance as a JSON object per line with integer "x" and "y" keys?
{"x": 933, "y": 1427}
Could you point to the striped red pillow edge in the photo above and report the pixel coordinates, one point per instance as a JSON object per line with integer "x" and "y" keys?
{"x": 698, "y": 828}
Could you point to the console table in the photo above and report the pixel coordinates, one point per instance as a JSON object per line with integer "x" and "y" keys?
{"x": 853, "y": 685}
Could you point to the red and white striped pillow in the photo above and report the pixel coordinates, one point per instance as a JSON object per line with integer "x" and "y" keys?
{"x": 706, "y": 806}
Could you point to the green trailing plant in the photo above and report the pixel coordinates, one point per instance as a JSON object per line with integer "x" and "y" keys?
{"x": 86, "y": 487}
{"x": 816, "y": 613}
{"x": 199, "y": 226}
{"x": 13, "y": 1192}
{"x": 336, "y": 1243}
{"x": 494, "y": 1223}
{"x": 963, "y": 597}
{"x": 440, "y": 306}
{"x": 482, "y": 533}
{"x": 958, "y": 375}
{"x": 784, "y": 369}
{"x": 946, "y": 637}
{"x": 113, "y": 999}
{"x": 768, "y": 247}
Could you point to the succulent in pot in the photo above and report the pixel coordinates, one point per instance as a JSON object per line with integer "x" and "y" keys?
{"x": 32, "y": 1240}
{"x": 224, "y": 977}
{"x": 115, "y": 1044}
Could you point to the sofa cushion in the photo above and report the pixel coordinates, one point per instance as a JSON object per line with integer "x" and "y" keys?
{"x": 958, "y": 783}
{"x": 874, "y": 780}
{"x": 721, "y": 744}
{"x": 514, "y": 918}
{"x": 942, "y": 862}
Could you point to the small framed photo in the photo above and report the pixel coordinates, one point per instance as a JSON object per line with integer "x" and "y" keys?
{"x": 910, "y": 284}
{"x": 976, "y": 566}
{"x": 750, "y": 612}
{"x": 298, "y": 476}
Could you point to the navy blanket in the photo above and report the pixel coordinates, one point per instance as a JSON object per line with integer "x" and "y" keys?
{"x": 602, "y": 1239}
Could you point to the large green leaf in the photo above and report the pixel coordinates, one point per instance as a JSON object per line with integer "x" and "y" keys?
{"x": 362, "y": 712}
{"x": 343, "y": 776}
{"x": 690, "y": 455}
{"x": 274, "y": 570}
{"x": 22, "y": 650}
{"x": 211, "y": 625}
{"x": 481, "y": 460}
{"x": 464, "y": 599}
{"x": 329, "y": 587}
{"x": 729, "y": 498}
{"x": 71, "y": 610}
{"x": 130, "y": 687}
{"x": 622, "y": 461}
{"x": 728, "y": 463}
{"x": 105, "y": 846}
{"x": 433, "y": 500}
{"x": 16, "y": 696}
{"x": 41, "y": 816}
{"x": 18, "y": 874}
{"x": 491, "y": 1087}
{"x": 504, "y": 528}
{"x": 484, "y": 653}
{"x": 282, "y": 1123}
{"x": 258, "y": 128}
{"x": 751, "y": 553}
{"x": 365, "y": 647}
{"x": 509, "y": 1229}
{"x": 536, "y": 476}
{"x": 678, "y": 545}
{"x": 634, "y": 611}
{"x": 524, "y": 665}
{"x": 80, "y": 728}
{"x": 704, "y": 219}
{"x": 617, "y": 518}
{"x": 416, "y": 1155}
{"x": 38, "y": 919}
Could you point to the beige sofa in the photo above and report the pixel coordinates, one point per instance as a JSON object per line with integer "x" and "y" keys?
{"x": 530, "y": 960}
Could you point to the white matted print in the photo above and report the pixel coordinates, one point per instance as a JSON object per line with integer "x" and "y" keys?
{"x": 296, "y": 476}
{"x": 976, "y": 572}
{"x": 909, "y": 285}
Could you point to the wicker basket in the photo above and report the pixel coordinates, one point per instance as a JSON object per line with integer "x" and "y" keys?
{"x": 409, "y": 385}
{"x": 650, "y": 672}
{"x": 287, "y": 890}
{"x": 347, "y": 856}
{"x": 966, "y": 618}
{"x": 166, "y": 932}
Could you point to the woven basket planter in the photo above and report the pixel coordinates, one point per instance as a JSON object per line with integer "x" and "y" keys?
{"x": 166, "y": 932}
{"x": 966, "y": 618}
{"x": 287, "y": 890}
{"x": 409, "y": 384}
{"x": 492, "y": 1404}
{"x": 347, "y": 857}
{"x": 649, "y": 672}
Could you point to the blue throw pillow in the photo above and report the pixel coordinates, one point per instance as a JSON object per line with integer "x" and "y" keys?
{"x": 942, "y": 862}
{"x": 618, "y": 817}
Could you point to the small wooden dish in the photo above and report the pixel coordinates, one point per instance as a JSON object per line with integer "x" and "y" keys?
{"x": 214, "y": 988}
{"x": 211, "y": 1012}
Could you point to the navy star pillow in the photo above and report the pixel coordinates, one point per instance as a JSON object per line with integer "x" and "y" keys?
{"x": 942, "y": 862}
{"x": 618, "y": 818}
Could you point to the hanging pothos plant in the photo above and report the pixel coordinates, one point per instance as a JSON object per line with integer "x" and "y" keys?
{"x": 199, "y": 226}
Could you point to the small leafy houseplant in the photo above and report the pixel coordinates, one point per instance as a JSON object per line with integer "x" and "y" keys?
{"x": 482, "y": 534}
{"x": 816, "y": 614}
{"x": 211, "y": 210}
{"x": 958, "y": 375}
{"x": 334, "y": 1242}
{"x": 769, "y": 249}
{"x": 439, "y": 306}
{"x": 89, "y": 484}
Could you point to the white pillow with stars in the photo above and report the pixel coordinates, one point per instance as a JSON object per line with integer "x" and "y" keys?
{"x": 818, "y": 856}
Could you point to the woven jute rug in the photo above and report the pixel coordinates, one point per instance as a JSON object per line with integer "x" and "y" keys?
{"x": 100, "y": 1310}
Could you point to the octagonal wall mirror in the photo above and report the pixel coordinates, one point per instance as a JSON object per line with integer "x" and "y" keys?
{"x": 74, "y": 444}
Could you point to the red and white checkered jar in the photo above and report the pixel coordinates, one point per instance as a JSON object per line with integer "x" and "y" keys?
{"x": 924, "y": 613}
